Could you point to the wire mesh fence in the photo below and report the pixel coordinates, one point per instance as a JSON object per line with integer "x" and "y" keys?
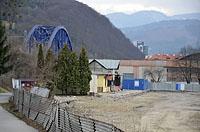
{"x": 173, "y": 86}
{"x": 53, "y": 118}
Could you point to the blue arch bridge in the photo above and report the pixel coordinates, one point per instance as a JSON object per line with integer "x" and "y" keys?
{"x": 49, "y": 36}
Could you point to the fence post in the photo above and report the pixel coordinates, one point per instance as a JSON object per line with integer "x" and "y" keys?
{"x": 29, "y": 107}
{"x": 70, "y": 125}
{"x": 18, "y": 100}
{"x": 79, "y": 120}
{"x": 37, "y": 112}
{"x": 94, "y": 126}
{"x": 114, "y": 129}
{"x": 14, "y": 96}
{"x": 64, "y": 119}
{"x": 22, "y": 101}
{"x": 49, "y": 117}
{"x": 54, "y": 118}
{"x": 58, "y": 118}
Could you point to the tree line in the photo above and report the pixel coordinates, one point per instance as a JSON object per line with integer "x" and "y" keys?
{"x": 67, "y": 72}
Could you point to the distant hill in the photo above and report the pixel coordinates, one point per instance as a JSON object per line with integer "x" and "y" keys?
{"x": 86, "y": 27}
{"x": 166, "y": 36}
{"x": 187, "y": 16}
{"x": 122, "y": 20}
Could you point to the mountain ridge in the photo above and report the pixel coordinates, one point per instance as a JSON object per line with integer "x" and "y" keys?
{"x": 122, "y": 20}
{"x": 167, "y": 36}
{"x": 86, "y": 27}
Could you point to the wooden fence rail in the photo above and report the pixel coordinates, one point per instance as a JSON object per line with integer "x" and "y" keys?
{"x": 53, "y": 118}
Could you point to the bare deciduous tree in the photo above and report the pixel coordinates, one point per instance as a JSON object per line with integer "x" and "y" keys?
{"x": 155, "y": 75}
{"x": 189, "y": 66}
{"x": 196, "y": 66}
{"x": 185, "y": 68}
{"x": 197, "y": 71}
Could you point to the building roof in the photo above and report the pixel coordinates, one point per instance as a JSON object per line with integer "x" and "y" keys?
{"x": 149, "y": 63}
{"x": 143, "y": 63}
{"x": 106, "y": 63}
{"x": 165, "y": 57}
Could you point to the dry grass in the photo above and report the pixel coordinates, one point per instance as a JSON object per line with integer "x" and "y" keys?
{"x": 2, "y": 90}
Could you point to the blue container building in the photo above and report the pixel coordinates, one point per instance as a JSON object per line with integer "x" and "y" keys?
{"x": 135, "y": 84}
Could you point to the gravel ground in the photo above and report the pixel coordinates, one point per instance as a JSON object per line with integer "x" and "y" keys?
{"x": 148, "y": 112}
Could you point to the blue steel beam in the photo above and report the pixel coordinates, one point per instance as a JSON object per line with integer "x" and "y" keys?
{"x": 50, "y": 36}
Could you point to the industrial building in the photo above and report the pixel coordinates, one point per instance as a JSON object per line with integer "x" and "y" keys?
{"x": 131, "y": 74}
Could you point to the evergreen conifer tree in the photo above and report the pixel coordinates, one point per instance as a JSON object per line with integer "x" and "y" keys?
{"x": 49, "y": 72}
{"x": 40, "y": 59}
{"x": 4, "y": 52}
{"x": 85, "y": 73}
{"x": 62, "y": 76}
{"x": 40, "y": 67}
{"x": 48, "y": 66}
{"x": 74, "y": 74}
{"x": 49, "y": 57}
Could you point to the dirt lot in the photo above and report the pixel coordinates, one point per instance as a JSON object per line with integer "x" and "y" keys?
{"x": 148, "y": 112}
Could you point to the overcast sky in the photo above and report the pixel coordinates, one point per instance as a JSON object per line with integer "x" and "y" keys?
{"x": 169, "y": 7}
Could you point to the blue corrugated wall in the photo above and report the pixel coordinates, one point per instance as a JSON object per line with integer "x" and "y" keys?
{"x": 130, "y": 84}
{"x": 178, "y": 86}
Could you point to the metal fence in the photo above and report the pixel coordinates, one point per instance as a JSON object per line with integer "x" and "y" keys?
{"x": 53, "y": 118}
{"x": 172, "y": 86}
{"x": 192, "y": 87}
{"x": 163, "y": 86}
